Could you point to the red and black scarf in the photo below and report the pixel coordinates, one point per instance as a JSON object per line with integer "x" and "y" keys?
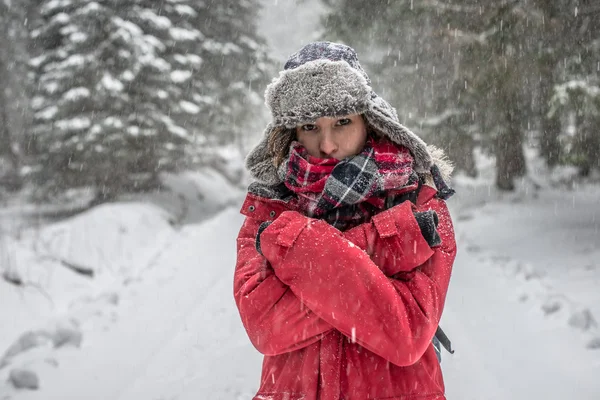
{"x": 348, "y": 192}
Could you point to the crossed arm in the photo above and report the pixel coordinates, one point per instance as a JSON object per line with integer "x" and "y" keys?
{"x": 314, "y": 278}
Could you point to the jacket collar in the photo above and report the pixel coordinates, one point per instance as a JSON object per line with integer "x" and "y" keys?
{"x": 265, "y": 209}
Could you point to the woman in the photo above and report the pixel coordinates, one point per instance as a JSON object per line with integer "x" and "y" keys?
{"x": 346, "y": 251}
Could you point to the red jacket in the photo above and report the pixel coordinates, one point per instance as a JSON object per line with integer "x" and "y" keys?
{"x": 344, "y": 315}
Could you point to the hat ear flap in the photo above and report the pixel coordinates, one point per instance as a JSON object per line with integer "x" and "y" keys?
{"x": 383, "y": 118}
{"x": 259, "y": 162}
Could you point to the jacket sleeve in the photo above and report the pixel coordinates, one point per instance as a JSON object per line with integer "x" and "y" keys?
{"x": 394, "y": 318}
{"x": 391, "y": 256}
{"x": 274, "y": 318}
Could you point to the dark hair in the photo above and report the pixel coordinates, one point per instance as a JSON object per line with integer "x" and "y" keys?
{"x": 281, "y": 138}
{"x": 279, "y": 144}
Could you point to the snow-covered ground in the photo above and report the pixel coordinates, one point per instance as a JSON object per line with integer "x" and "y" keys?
{"x": 524, "y": 298}
{"x": 157, "y": 319}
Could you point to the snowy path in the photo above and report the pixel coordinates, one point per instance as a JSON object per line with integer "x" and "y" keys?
{"x": 510, "y": 308}
{"x": 505, "y": 348}
{"x": 178, "y": 335}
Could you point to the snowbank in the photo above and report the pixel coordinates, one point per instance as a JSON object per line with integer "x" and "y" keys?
{"x": 51, "y": 276}
{"x": 61, "y": 281}
{"x": 194, "y": 196}
{"x": 545, "y": 236}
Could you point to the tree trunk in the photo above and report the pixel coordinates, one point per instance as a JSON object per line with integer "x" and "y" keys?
{"x": 549, "y": 143}
{"x": 465, "y": 160}
{"x": 550, "y": 125}
{"x": 547, "y": 62}
{"x": 10, "y": 179}
{"x": 510, "y": 157}
{"x": 586, "y": 143}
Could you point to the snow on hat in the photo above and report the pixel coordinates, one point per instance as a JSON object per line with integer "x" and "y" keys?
{"x": 326, "y": 79}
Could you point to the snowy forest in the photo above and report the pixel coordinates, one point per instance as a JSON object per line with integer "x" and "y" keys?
{"x": 124, "y": 125}
{"x": 489, "y": 74}
{"x": 106, "y": 95}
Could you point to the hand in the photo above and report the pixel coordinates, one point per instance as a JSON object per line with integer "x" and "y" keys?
{"x": 261, "y": 228}
{"x": 428, "y": 222}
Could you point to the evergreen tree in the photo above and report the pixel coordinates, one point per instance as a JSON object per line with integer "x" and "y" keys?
{"x": 469, "y": 59}
{"x": 126, "y": 89}
{"x": 576, "y": 90}
{"x": 554, "y": 29}
{"x": 101, "y": 106}
{"x": 486, "y": 72}
{"x": 417, "y": 65}
{"x": 225, "y": 67}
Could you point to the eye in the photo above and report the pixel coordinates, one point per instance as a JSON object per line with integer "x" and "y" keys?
{"x": 309, "y": 127}
{"x": 344, "y": 121}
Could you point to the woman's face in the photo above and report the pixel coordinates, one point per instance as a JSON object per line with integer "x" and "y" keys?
{"x": 336, "y": 137}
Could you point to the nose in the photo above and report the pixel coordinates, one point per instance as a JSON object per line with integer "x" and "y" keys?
{"x": 327, "y": 145}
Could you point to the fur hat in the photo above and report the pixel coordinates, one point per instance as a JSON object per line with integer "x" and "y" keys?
{"x": 326, "y": 79}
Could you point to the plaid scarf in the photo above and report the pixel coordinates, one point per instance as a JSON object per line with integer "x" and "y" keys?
{"x": 348, "y": 192}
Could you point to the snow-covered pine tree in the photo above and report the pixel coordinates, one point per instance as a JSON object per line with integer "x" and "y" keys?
{"x": 452, "y": 68}
{"x": 126, "y": 89}
{"x": 228, "y": 86}
{"x": 576, "y": 96}
{"x": 103, "y": 97}
{"x": 415, "y": 64}
{"x": 161, "y": 87}
{"x": 220, "y": 62}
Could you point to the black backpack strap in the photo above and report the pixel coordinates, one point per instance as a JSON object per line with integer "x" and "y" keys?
{"x": 443, "y": 339}
{"x": 412, "y": 196}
